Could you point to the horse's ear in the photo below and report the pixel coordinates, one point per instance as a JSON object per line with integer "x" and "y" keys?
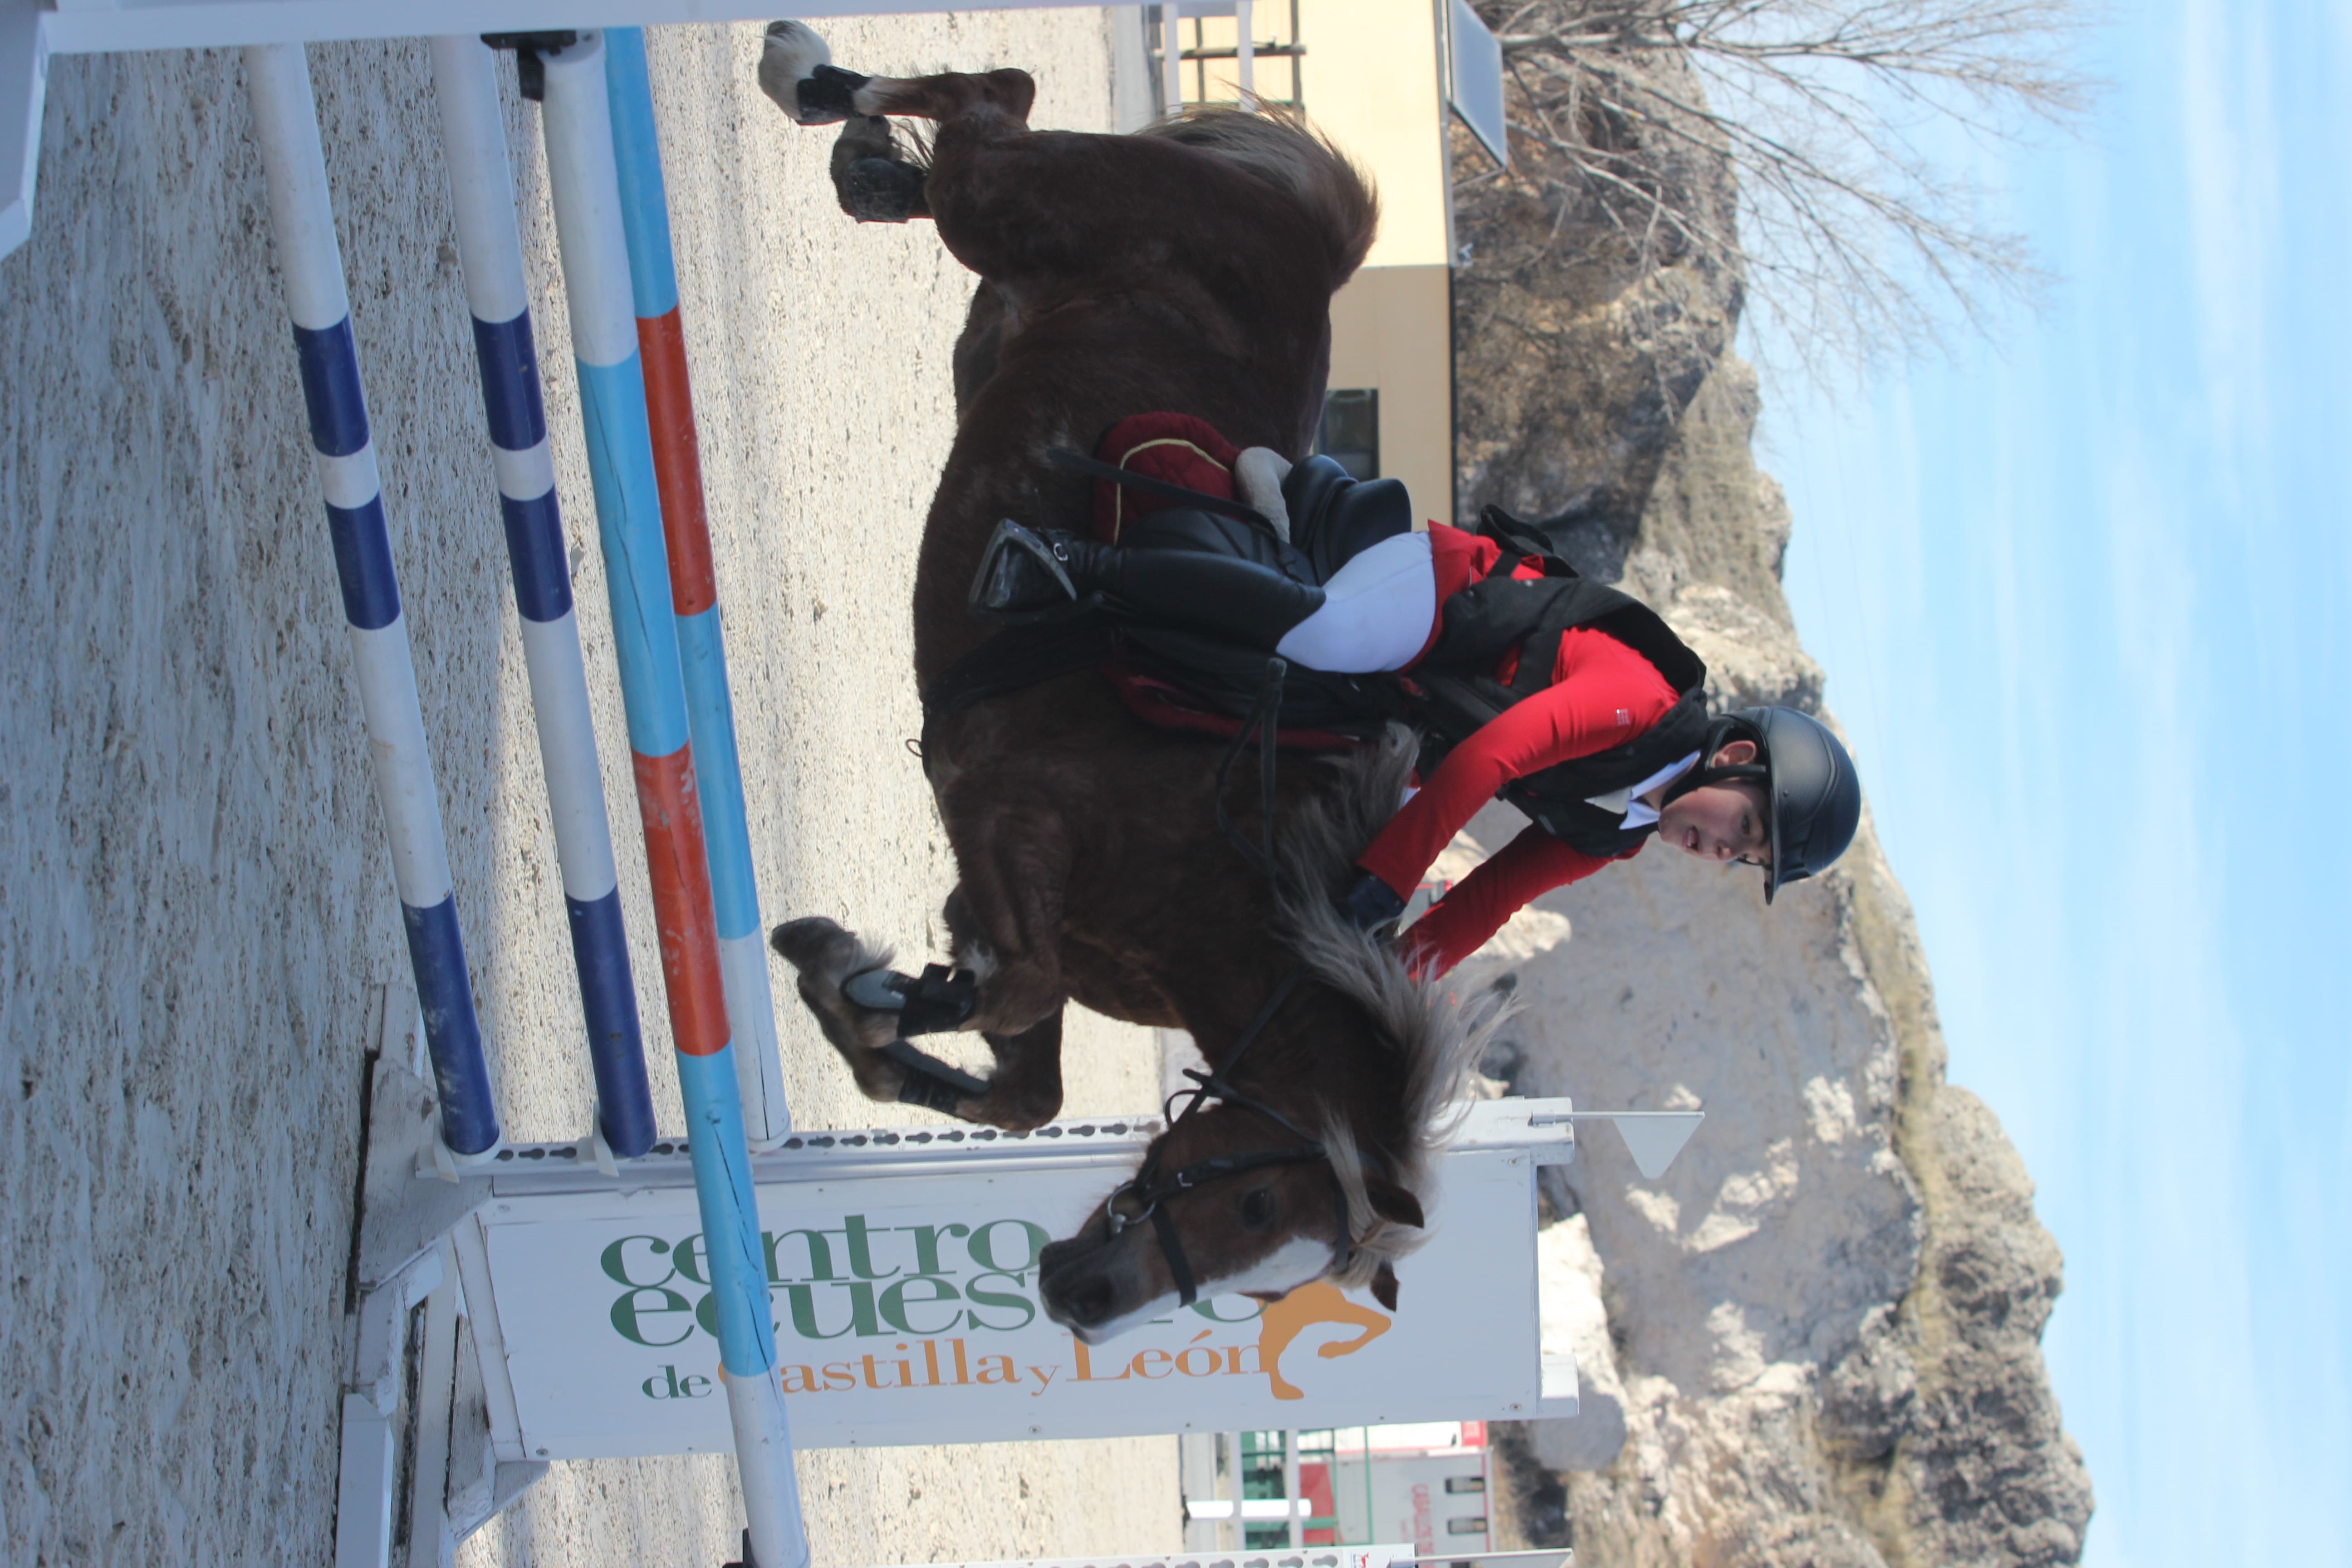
{"x": 1384, "y": 1287}
{"x": 1392, "y": 1202}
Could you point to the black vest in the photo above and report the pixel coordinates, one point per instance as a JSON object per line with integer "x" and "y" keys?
{"x": 1454, "y": 690}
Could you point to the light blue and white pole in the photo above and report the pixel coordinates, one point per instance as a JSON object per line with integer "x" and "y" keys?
{"x": 286, "y": 124}
{"x": 489, "y": 247}
{"x": 584, "y": 185}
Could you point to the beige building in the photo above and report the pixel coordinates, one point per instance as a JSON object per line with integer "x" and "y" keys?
{"x": 1379, "y": 78}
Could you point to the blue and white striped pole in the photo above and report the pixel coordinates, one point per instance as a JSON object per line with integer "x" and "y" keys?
{"x": 585, "y": 189}
{"x": 286, "y": 124}
{"x": 694, "y": 589}
{"x": 491, "y": 249}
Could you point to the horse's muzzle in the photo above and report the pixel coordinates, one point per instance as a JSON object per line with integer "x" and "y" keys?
{"x": 1089, "y": 1284}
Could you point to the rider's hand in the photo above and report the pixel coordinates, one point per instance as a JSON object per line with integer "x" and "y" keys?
{"x": 1371, "y": 903}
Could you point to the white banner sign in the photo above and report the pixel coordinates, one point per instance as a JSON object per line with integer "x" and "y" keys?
{"x": 906, "y": 1309}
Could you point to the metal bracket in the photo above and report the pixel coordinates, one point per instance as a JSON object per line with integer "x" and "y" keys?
{"x": 531, "y": 71}
{"x": 407, "y": 1200}
{"x": 1558, "y": 1400}
{"x": 1544, "y": 1127}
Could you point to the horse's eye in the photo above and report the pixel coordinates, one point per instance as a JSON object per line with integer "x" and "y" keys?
{"x": 1257, "y": 1208}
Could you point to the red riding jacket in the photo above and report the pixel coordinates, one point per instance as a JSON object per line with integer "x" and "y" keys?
{"x": 1602, "y": 694}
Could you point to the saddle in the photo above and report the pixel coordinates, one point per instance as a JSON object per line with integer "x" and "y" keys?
{"x": 1181, "y": 681}
{"x": 1178, "y": 470}
{"x": 1151, "y": 463}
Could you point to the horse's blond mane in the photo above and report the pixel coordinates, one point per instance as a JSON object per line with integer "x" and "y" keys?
{"x": 1437, "y": 1038}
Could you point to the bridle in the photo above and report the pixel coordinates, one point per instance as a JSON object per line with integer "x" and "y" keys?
{"x": 1148, "y": 1188}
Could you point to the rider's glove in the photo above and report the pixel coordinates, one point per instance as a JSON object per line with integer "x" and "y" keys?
{"x": 1371, "y": 903}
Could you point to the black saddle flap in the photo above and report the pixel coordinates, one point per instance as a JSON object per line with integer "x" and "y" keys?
{"x": 1228, "y": 680}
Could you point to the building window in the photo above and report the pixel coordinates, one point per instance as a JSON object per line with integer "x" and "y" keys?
{"x": 1263, "y": 1459}
{"x": 1225, "y": 51}
{"x": 1351, "y": 431}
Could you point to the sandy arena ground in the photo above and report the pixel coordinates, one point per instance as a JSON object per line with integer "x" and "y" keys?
{"x": 195, "y": 903}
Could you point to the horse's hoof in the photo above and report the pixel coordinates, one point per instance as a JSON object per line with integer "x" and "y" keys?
{"x": 796, "y": 71}
{"x": 789, "y": 56}
{"x": 803, "y": 941}
{"x": 881, "y": 190}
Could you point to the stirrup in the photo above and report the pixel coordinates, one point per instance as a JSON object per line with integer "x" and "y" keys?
{"x": 938, "y": 1000}
{"x": 1020, "y": 578}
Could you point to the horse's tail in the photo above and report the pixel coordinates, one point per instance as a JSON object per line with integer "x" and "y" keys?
{"x": 1279, "y": 146}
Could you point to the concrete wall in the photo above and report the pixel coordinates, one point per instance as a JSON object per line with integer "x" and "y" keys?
{"x": 195, "y": 894}
{"x": 1391, "y": 332}
{"x": 1370, "y": 81}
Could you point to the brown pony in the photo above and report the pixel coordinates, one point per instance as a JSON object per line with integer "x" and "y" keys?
{"x": 1190, "y": 268}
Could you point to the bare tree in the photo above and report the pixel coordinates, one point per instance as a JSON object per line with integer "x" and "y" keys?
{"x": 1854, "y": 239}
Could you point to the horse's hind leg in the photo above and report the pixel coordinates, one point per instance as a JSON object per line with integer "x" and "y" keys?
{"x": 875, "y": 180}
{"x": 796, "y": 70}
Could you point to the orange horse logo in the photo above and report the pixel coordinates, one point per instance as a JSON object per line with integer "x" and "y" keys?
{"x": 1321, "y": 1302}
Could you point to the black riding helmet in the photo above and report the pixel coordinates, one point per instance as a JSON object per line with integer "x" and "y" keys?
{"x": 1808, "y": 780}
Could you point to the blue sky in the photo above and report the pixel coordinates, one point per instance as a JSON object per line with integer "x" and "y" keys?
{"x": 2083, "y": 600}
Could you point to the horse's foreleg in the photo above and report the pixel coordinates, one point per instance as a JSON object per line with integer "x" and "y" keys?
{"x": 977, "y": 346}
{"x": 1026, "y": 1090}
{"x": 1003, "y": 96}
{"x": 1004, "y": 918}
{"x": 825, "y": 955}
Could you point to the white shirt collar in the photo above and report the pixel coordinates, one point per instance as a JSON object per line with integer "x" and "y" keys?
{"x": 1628, "y": 802}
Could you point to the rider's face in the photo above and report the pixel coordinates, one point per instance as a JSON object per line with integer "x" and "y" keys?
{"x": 1722, "y": 822}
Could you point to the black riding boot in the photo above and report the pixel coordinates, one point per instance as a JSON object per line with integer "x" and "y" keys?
{"x": 1185, "y": 584}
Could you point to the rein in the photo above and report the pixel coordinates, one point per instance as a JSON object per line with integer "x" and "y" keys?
{"x": 1261, "y": 723}
{"x": 1148, "y": 1187}
{"x": 1078, "y": 463}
